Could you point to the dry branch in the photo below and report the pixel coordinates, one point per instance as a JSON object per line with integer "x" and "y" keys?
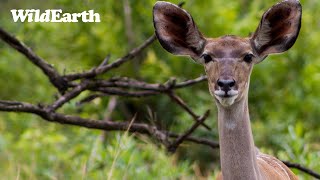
{"x": 102, "y": 69}
{"x": 23, "y": 107}
{"x": 46, "y": 68}
{"x": 173, "y": 146}
{"x": 70, "y": 95}
{"x": 181, "y": 103}
{"x": 302, "y": 168}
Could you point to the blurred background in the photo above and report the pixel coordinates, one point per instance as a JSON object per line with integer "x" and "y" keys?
{"x": 284, "y": 94}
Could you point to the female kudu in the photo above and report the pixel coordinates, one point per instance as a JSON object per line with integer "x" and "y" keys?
{"x": 228, "y": 62}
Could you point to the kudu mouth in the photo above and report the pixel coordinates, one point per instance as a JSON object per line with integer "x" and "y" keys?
{"x": 225, "y": 91}
{"x": 226, "y": 99}
{"x": 226, "y": 94}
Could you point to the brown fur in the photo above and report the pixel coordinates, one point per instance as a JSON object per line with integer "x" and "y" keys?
{"x": 272, "y": 168}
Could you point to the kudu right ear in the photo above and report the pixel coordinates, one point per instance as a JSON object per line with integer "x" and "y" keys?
{"x": 278, "y": 29}
{"x": 176, "y": 31}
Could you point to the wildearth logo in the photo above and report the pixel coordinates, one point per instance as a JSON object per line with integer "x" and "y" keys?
{"x": 53, "y": 15}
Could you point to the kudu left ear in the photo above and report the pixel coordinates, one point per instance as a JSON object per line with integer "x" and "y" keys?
{"x": 278, "y": 29}
{"x": 176, "y": 30}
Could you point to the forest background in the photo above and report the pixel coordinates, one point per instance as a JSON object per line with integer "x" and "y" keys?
{"x": 283, "y": 99}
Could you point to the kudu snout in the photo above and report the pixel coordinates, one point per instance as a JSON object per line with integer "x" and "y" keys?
{"x": 226, "y": 84}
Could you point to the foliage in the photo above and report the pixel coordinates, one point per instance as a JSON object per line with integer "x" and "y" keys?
{"x": 284, "y": 93}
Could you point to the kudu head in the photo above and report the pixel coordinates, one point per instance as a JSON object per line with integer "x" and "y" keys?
{"x": 228, "y": 60}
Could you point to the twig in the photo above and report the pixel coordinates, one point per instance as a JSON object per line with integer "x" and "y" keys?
{"x": 173, "y": 147}
{"x": 191, "y": 82}
{"x": 120, "y": 92}
{"x": 105, "y": 61}
{"x": 203, "y": 141}
{"x": 70, "y": 95}
{"x": 302, "y": 168}
{"x": 181, "y": 103}
{"x": 100, "y": 70}
{"x": 88, "y": 99}
{"x": 123, "y": 82}
{"x": 104, "y": 86}
{"x": 54, "y": 77}
{"x": 15, "y": 106}
{"x": 132, "y": 83}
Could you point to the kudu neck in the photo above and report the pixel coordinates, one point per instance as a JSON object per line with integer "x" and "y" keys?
{"x": 237, "y": 149}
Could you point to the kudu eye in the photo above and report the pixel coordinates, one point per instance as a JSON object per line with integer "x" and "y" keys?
{"x": 207, "y": 58}
{"x": 248, "y": 58}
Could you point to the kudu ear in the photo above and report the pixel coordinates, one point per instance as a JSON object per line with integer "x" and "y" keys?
{"x": 176, "y": 30}
{"x": 278, "y": 29}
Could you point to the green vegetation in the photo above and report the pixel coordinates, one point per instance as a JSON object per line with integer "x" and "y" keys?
{"x": 284, "y": 94}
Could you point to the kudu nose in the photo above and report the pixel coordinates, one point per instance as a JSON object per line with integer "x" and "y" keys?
{"x": 226, "y": 84}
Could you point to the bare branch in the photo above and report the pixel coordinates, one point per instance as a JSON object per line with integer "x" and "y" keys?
{"x": 125, "y": 82}
{"x": 46, "y": 68}
{"x": 70, "y": 95}
{"x": 102, "y": 69}
{"x": 181, "y": 103}
{"x": 15, "y": 106}
{"x": 71, "y": 120}
{"x": 162, "y": 136}
{"x": 105, "y": 61}
{"x": 173, "y": 147}
{"x": 203, "y": 141}
{"x": 120, "y": 92}
{"x": 191, "y": 82}
{"x": 302, "y": 168}
{"x": 88, "y": 99}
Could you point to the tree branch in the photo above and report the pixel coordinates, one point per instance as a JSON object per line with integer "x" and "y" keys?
{"x": 181, "y": 103}
{"x": 302, "y": 168}
{"x": 173, "y": 146}
{"x": 191, "y": 82}
{"x": 70, "y": 95}
{"x": 102, "y": 69}
{"x": 45, "y": 114}
{"x": 125, "y": 82}
{"x": 120, "y": 92}
{"x": 54, "y": 77}
{"x": 203, "y": 141}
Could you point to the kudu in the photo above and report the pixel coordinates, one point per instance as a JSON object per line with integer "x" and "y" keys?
{"x": 228, "y": 62}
